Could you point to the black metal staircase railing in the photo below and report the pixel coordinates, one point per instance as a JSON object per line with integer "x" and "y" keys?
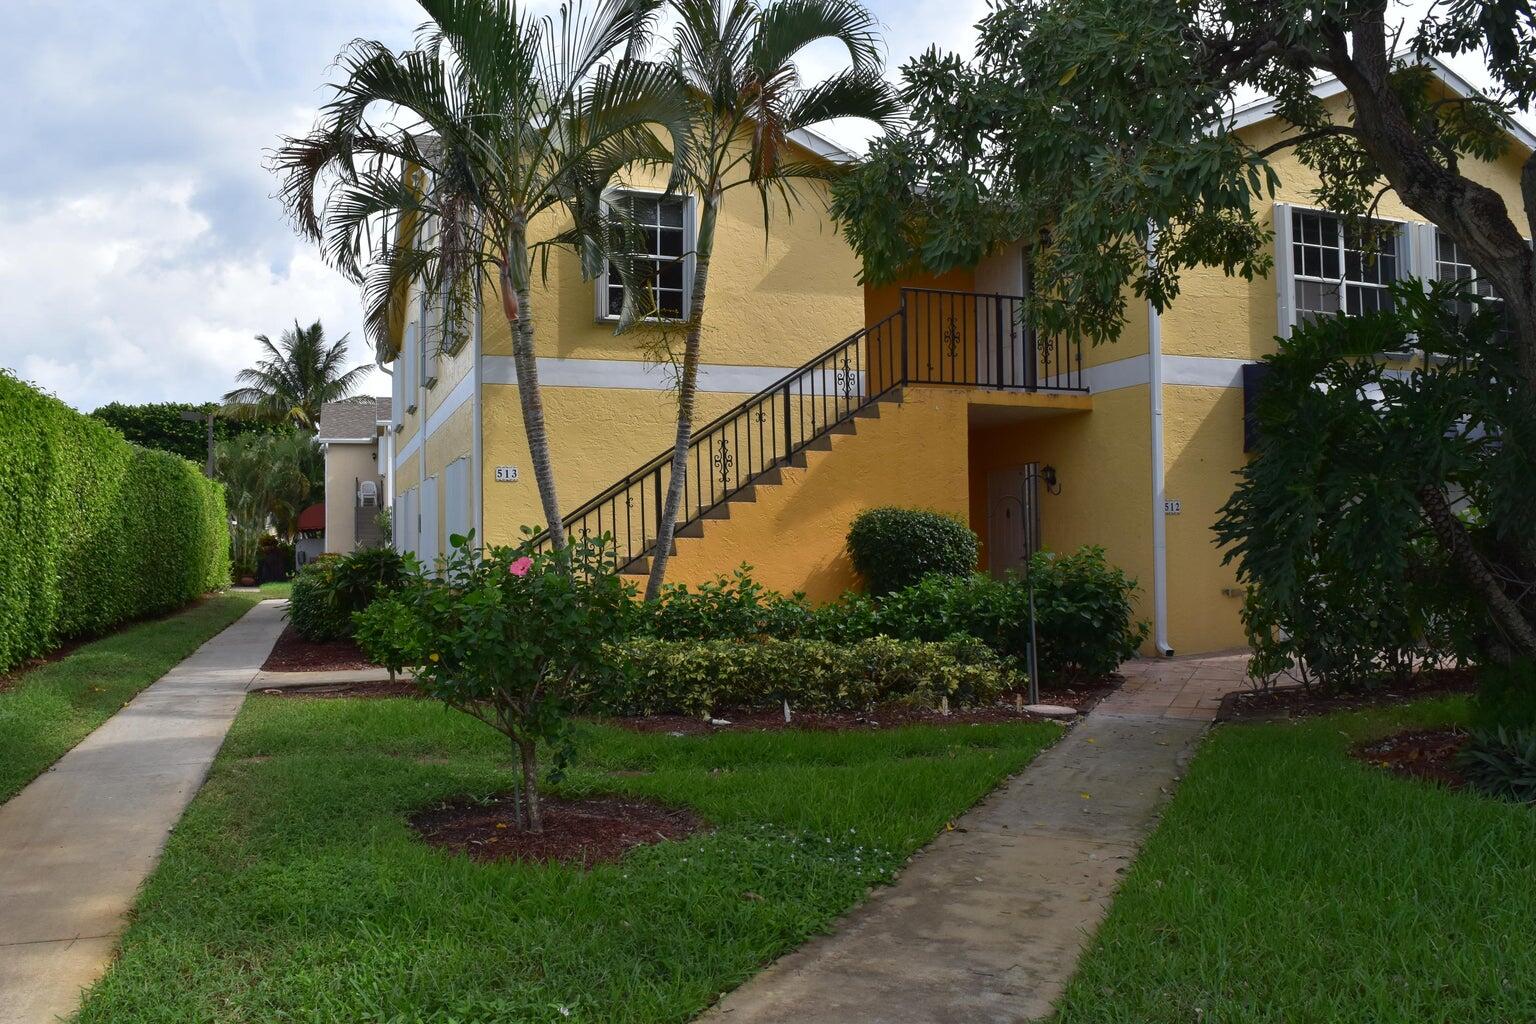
{"x": 933, "y": 337}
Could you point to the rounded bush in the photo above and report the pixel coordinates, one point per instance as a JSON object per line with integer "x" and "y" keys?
{"x": 896, "y": 547}
{"x": 329, "y": 590}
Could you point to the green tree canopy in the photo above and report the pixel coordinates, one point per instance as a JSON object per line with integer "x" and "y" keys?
{"x": 160, "y": 425}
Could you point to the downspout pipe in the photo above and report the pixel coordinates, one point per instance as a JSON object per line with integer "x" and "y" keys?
{"x": 1159, "y": 492}
{"x": 477, "y": 420}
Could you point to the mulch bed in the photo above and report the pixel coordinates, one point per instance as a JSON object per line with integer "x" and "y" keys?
{"x": 1082, "y": 696}
{"x": 595, "y": 830}
{"x": 1425, "y": 754}
{"x": 292, "y": 653}
{"x": 1296, "y": 702}
{"x": 381, "y": 688}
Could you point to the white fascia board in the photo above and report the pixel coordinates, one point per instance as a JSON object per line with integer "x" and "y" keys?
{"x": 822, "y": 146}
{"x": 1264, "y": 108}
{"x": 346, "y": 440}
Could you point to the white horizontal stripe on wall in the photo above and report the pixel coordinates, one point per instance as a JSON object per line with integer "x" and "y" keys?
{"x": 721, "y": 378}
{"x": 1191, "y": 371}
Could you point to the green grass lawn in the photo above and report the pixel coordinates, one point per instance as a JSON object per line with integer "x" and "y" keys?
{"x": 49, "y": 709}
{"x": 1289, "y": 883}
{"x": 294, "y": 890}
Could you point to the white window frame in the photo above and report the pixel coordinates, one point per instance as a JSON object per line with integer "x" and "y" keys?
{"x": 1411, "y": 254}
{"x": 690, "y": 245}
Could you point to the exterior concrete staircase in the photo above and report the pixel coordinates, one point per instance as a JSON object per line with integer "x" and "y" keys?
{"x": 960, "y": 339}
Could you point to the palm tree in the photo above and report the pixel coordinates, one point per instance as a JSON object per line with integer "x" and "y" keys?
{"x": 268, "y": 479}
{"x": 431, "y": 164}
{"x": 298, "y": 375}
{"x": 737, "y": 59}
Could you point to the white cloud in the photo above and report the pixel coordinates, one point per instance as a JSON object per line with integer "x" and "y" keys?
{"x": 123, "y": 296}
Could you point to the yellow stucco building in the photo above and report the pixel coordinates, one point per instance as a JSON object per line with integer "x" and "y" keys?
{"x": 820, "y": 398}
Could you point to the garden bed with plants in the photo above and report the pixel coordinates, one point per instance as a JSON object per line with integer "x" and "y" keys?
{"x": 1307, "y": 701}
{"x": 295, "y": 653}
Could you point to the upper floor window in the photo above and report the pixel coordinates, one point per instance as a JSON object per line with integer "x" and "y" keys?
{"x": 1338, "y": 266}
{"x": 1451, "y": 265}
{"x": 662, "y": 255}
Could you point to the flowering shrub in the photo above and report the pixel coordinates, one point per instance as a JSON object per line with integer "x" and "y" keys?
{"x": 510, "y": 636}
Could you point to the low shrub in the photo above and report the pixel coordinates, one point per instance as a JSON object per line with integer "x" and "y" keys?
{"x": 1084, "y": 621}
{"x": 896, "y": 547}
{"x": 1084, "y": 618}
{"x": 309, "y": 602}
{"x": 1506, "y": 696}
{"x": 698, "y": 677}
{"x": 509, "y": 636}
{"x": 331, "y": 589}
{"x": 1501, "y": 762}
{"x": 737, "y": 606}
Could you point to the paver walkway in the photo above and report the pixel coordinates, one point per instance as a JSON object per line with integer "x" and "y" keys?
{"x": 76, "y": 844}
{"x": 987, "y": 922}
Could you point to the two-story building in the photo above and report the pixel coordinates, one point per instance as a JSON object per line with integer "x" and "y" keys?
{"x": 820, "y": 398}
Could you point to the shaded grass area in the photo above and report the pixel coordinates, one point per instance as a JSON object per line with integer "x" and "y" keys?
{"x": 47, "y": 710}
{"x": 293, "y": 890}
{"x": 283, "y": 590}
{"x": 1287, "y": 882}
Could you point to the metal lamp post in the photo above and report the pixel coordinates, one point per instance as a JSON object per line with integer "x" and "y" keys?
{"x": 193, "y": 416}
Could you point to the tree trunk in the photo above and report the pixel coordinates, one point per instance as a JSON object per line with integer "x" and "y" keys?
{"x": 1515, "y": 630}
{"x": 528, "y": 755}
{"x": 688, "y": 383}
{"x": 1472, "y": 213}
{"x": 517, "y": 304}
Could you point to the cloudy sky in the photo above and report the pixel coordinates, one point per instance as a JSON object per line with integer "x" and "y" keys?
{"x": 140, "y": 248}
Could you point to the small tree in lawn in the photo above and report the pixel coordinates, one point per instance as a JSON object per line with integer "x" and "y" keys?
{"x": 512, "y": 637}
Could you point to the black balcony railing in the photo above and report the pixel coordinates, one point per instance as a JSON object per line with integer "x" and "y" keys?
{"x": 934, "y": 337}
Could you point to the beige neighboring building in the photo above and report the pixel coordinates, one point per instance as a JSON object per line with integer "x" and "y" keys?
{"x": 359, "y": 481}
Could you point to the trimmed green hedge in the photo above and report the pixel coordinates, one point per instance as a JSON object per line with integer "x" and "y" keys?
{"x": 94, "y": 531}
{"x": 699, "y": 677}
{"x": 896, "y": 547}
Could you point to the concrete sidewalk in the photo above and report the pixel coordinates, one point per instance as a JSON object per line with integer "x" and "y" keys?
{"x": 986, "y": 924}
{"x": 76, "y": 844}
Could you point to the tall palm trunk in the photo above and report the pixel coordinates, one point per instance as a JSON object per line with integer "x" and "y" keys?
{"x": 518, "y": 307}
{"x": 687, "y": 392}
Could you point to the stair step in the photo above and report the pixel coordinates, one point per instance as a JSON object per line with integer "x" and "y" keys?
{"x": 869, "y": 412}
{"x": 721, "y": 511}
{"x": 693, "y": 529}
{"x": 844, "y": 427}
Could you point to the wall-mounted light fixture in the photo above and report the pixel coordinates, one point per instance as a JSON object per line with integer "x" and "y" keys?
{"x": 1048, "y": 477}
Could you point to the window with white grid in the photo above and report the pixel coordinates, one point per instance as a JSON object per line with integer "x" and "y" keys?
{"x": 1340, "y": 267}
{"x": 660, "y": 229}
{"x": 1451, "y": 265}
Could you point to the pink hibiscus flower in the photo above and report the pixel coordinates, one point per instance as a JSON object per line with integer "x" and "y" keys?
{"x": 521, "y": 566}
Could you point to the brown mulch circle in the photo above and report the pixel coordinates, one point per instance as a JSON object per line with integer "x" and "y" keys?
{"x": 592, "y": 830}
{"x": 1082, "y": 696}
{"x": 381, "y": 688}
{"x": 293, "y": 653}
{"x": 1296, "y": 702}
{"x": 1425, "y": 754}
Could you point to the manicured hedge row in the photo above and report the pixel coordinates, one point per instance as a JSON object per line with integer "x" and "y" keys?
{"x": 693, "y": 678}
{"x": 94, "y": 531}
